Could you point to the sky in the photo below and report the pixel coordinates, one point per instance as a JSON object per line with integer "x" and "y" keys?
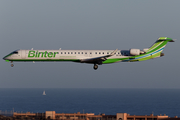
{"x": 89, "y": 24}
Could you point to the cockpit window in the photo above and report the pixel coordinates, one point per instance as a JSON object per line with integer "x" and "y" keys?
{"x": 12, "y": 53}
{"x": 15, "y": 52}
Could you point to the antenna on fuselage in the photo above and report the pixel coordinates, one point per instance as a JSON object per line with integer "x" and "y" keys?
{"x": 31, "y": 48}
{"x": 59, "y": 48}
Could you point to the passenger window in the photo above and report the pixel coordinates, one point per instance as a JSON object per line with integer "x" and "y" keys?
{"x": 90, "y": 52}
{"x": 107, "y": 52}
{"x": 64, "y": 52}
{"x": 74, "y": 52}
{"x": 99, "y": 52}
{"x": 61, "y": 52}
{"x": 78, "y": 52}
{"x": 95, "y": 52}
{"x": 82, "y": 52}
{"x": 71, "y": 52}
{"x": 85, "y": 52}
{"x": 68, "y": 52}
{"x": 103, "y": 53}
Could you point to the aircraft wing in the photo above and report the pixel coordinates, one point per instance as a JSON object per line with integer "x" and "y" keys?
{"x": 98, "y": 60}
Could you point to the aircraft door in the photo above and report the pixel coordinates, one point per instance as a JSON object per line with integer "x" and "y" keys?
{"x": 23, "y": 54}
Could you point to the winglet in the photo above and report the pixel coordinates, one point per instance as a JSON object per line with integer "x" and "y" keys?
{"x": 114, "y": 52}
{"x": 98, "y": 60}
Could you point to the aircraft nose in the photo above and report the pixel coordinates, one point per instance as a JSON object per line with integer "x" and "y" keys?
{"x": 4, "y": 58}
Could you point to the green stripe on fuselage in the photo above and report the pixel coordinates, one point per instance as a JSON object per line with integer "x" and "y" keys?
{"x": 73, "y": 60}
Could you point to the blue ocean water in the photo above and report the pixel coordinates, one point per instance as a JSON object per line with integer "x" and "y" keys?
{"x": 108, "y": 101}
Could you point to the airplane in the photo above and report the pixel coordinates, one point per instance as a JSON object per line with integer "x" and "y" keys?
{"x": 96, "y": 57}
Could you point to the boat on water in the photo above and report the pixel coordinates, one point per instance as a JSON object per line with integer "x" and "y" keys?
{"x": 44, "y": 93}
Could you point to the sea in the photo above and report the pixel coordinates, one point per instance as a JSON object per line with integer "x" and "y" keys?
{"x": 89, "y": 100}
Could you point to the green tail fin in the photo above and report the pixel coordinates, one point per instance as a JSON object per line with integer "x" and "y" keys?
{"x": 160, "y": 43}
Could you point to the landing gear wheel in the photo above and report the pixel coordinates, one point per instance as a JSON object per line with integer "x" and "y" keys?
{"x": 12, "y": 65}
{"x": 95, "y": 67}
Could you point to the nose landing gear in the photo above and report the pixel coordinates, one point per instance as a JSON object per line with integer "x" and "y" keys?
{"x": 12, "y": 65}
{"x": 95, "y": 67}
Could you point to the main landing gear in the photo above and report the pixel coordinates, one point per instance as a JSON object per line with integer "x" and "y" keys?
{"x": 95, "y": 67}
{"x": 12, "y": 65}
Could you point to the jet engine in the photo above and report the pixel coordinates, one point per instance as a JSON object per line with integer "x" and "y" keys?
{"x": 135, "y": 51}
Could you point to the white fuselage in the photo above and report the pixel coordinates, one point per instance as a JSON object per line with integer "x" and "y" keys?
{"x": 65, "y": 54}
